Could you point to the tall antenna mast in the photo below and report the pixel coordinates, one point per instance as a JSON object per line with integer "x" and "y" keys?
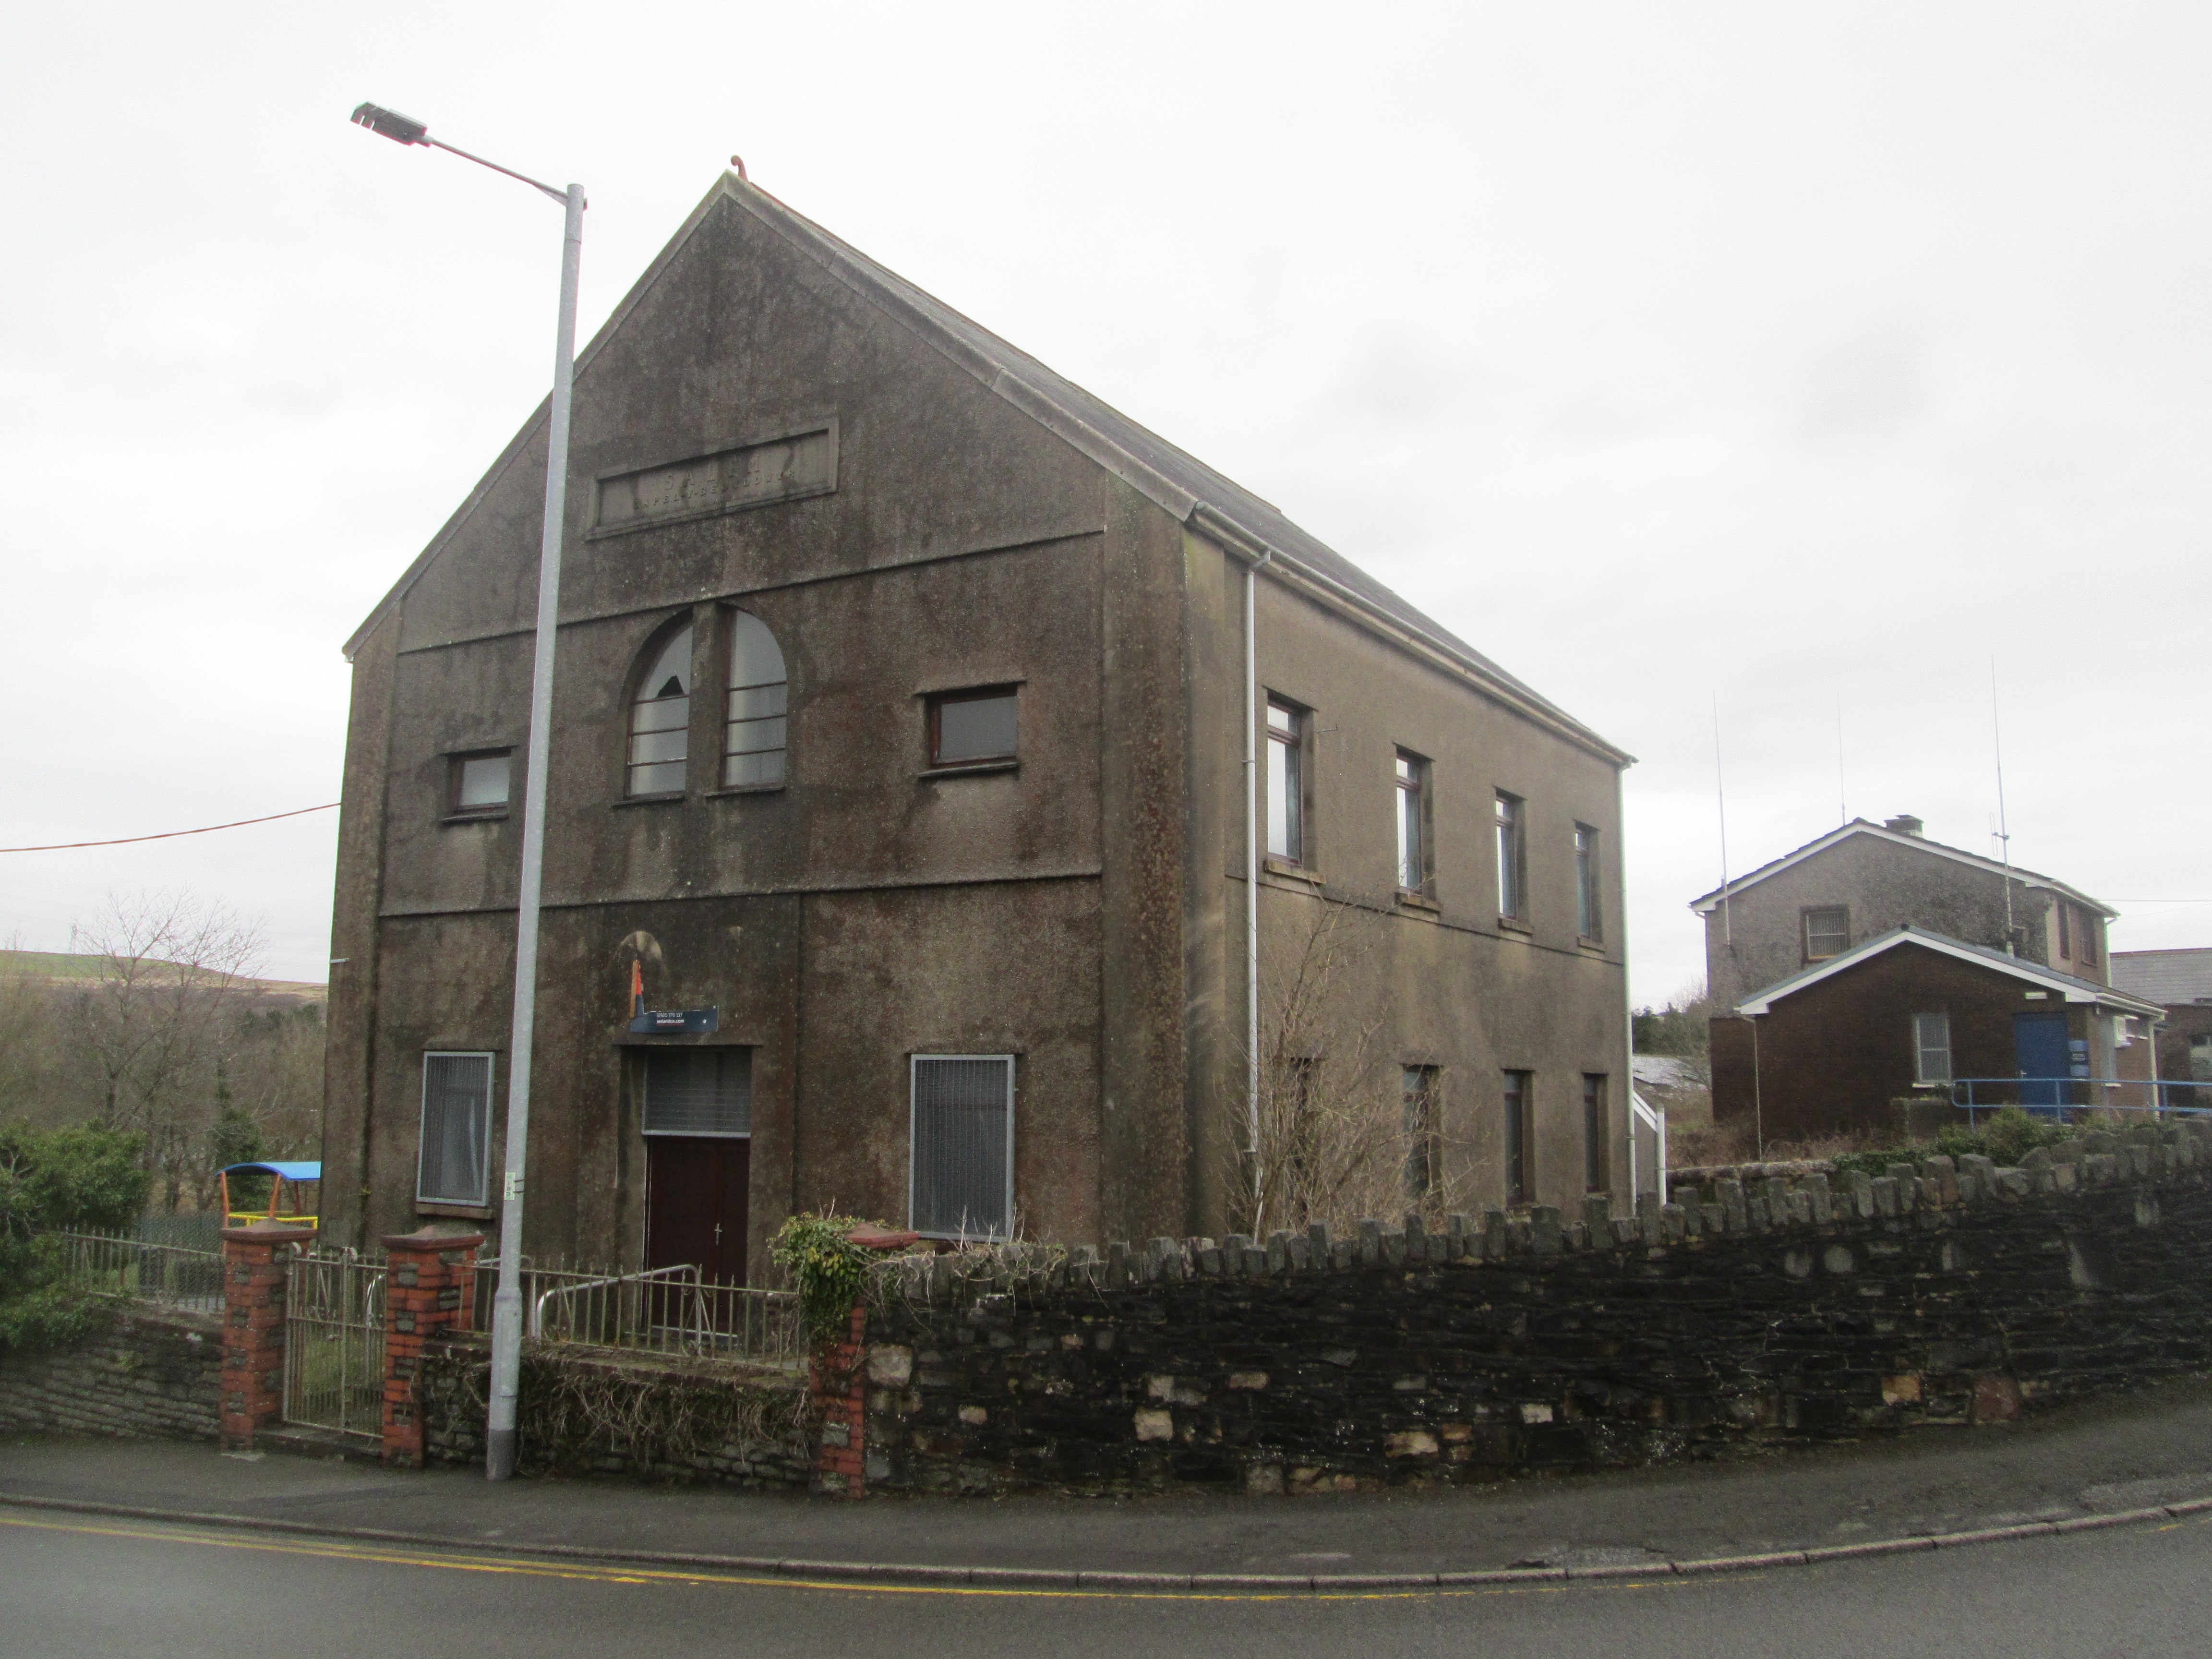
{"x": 1720, "y": 797}
{"x": 2004, "y": 827}
{"x": 1843, "y": 800}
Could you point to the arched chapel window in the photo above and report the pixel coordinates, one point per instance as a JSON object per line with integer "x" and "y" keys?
{"x": 660, "y": 718}
{"x": 754, "y": 734}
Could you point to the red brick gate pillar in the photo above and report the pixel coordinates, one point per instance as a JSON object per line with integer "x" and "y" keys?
{"x": 430, "y": 1288}
{"x": 839, "y": 1384}
{"x": 254, "y": 1262}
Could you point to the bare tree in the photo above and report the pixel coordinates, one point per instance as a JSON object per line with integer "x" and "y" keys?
{"x": 148, "y": 1025}
{"x": 1336, "y": 1138}
{"x": 26, "y": 1035}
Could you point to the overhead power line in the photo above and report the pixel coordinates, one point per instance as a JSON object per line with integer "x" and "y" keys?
{"x": 170, "y": 835}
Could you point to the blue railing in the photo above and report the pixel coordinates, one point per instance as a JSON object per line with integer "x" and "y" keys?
{"x": 2065, "y": 1099}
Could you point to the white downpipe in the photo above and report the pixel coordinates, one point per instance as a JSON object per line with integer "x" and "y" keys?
{"x": 1252, "y": 891}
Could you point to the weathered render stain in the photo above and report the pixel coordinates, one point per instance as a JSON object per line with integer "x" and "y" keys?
{"x": 1083, "y": 910}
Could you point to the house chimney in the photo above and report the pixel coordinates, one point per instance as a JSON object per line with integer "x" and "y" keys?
{"x": 1903, "y": 824}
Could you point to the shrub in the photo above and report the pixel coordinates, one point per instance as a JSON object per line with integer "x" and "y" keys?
{"x": 89, "y": 1178}
{"x": 829, "y": 1270}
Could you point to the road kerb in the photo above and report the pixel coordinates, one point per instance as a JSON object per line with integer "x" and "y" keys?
{"x": 1047, "y": 1579}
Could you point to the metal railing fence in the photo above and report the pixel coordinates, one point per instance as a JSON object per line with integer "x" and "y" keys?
{"x": 665, "y": 1311}
{"x": 2076, "y": 1099}
{"x": 169, "y": 1275}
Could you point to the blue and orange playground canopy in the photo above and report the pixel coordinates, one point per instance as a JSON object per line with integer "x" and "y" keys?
{"x": 286, "y": 1180}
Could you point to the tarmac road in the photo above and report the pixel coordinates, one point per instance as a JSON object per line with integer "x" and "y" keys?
{"x": 76, "y": 1585}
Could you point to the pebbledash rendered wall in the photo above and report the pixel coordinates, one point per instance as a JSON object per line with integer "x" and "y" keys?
{"x": 1789, "y": 1307}
{"x": 141, "y": 1373}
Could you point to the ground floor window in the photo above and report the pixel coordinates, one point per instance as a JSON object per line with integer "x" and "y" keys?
{"x": 1418, "y": 1088}
{"x": 454, "y": 1163}
{"x": 961, "y": 1146}
{"x": 1520, "y": 1131}
{"x": 1932, "y": 1044}
{"x": 1597, "y": 1136}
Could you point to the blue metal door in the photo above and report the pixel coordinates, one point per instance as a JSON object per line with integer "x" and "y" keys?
{"x": 2039, "y": 1047}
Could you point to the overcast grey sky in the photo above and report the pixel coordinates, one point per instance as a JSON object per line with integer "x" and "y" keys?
{"x": 1766, "y": 353}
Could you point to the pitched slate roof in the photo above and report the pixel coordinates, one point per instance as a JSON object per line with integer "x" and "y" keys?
{"x": 2072, "y": 989}
{"x": 1211, "y": 503}
{"x": 2167, "y": 977}
{"x": 1706, "y": 903}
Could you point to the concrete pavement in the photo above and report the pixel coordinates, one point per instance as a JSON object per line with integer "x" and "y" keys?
{"x": 2113, "y": 1455}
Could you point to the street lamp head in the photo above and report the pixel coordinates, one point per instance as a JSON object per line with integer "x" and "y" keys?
{"x": 393, "y": 125}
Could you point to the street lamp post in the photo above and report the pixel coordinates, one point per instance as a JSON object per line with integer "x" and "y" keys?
{"x": 507, "y": 1305}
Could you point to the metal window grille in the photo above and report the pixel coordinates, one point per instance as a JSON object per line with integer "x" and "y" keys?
{"x": 961, "y": 1174}
{"x": 699, "y": 1092}
{"x": 1827, "y": 933}
{"x": 1931, "y": 1042}
{"x": 456, "y": 1147}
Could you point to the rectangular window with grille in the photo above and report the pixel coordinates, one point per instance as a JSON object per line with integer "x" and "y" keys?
{"x": 1827, "y": 933}
{"x": 961, "y": 1168}
{"x": 454, "y": 1163}
{"x": 699, "y": 1092}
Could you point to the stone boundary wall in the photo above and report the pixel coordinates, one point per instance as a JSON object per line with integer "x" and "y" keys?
{"x": 1738, "y": 1315}
{"x": 645, "y": 1419}
{"x": 142, "y": 1374}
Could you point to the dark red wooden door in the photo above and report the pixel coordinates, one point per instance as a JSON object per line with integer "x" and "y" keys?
{"x": 695, "y": 1203}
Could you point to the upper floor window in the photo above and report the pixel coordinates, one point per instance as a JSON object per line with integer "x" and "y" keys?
{"x": 660, "y": 719}
{"x": 1413, "y": 784}
{"x": 1590, "y": 912}
{"x": 970, "y": 727}
{"x": 1827, "y": 933}
{"x": 477, "y": 784}
{"x": 1285, "y": 781}
{"x": 2086, "y": 938}
{"x": 754, "y": 730}
{"x": 1512, "y": 857}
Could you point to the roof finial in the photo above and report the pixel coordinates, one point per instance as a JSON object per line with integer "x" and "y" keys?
{"x": 738, "y": 163}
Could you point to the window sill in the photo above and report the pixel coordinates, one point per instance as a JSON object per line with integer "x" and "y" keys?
{"x": 729, "y": 789}
{"x": 1586, "y": 943}
{"x": 969, "y": 769}
{"x": 1409, "y": 900}
{"x": 662, "y": 800}
{"x": 499, "y": 817}
{"x": 466, "y": 1211}
{"x": 1286, "y": 871}
{"x": 1514, "y": 928}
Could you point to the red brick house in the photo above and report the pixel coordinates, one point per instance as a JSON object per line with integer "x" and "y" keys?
{"x": 1912, "y": 1013}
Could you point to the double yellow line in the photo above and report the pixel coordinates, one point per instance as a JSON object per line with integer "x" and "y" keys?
{"x": 520, "y": 1567}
